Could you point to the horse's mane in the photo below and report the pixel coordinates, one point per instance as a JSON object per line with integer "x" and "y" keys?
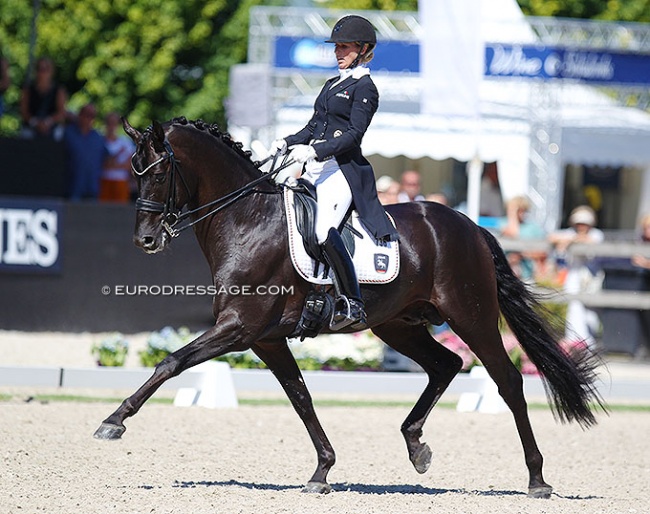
{"x": 214, "y": 130}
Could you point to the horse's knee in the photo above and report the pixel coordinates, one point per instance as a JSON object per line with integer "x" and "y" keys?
{"x": 167, "y": 367}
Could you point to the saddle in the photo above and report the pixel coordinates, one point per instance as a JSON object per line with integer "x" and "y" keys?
{"x": 375, "y": 262}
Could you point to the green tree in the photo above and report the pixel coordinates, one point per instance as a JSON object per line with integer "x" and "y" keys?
{"x": 620, "y": 10}
{"x": 143, "y": 58}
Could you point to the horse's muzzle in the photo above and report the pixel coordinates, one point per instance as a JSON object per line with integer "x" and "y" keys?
{"x": 149, "y": 243}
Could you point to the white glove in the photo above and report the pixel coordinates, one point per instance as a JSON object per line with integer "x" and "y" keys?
{"x": 303, "y": 153}
{"x": 279, "y": 146}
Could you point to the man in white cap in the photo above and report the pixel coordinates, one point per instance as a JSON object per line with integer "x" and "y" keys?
{"x": 581, "y": 322}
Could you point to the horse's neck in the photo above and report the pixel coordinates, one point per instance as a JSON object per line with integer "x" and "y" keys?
{"x": 255, "y": 217}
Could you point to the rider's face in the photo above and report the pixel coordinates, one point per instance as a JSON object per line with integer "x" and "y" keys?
{"x": 346, "y": 53}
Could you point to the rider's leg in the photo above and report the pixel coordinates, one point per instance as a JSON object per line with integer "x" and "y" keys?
{"x": 334, "y": 200}
{"x": 349, "y": 305}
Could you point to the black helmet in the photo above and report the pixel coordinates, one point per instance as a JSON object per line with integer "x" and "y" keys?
{"x": 352, "y": 29}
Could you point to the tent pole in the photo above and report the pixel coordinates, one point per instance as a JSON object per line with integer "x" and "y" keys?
{"x": 474, "y": 173}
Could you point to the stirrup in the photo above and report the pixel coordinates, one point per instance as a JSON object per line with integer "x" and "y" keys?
{"x": 348, "y": 312}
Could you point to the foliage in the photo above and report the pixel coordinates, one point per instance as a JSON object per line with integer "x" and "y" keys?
{"x": 148, "y": 60}
{"x": 628, "y": 10}
{"x": 111, "y": 351}
{"x": 161, "y": 344}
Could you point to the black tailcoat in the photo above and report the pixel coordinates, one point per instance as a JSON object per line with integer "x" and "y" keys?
{"x": 341, "y": 117}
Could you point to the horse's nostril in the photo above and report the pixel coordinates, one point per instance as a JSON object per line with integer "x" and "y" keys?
{"x": 147, "y": 241}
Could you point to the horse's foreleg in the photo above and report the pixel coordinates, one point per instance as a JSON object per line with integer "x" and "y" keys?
{"x": 441, "y": 366}
{"x": 281, "y": 362}
{"x": 214, "y": 342}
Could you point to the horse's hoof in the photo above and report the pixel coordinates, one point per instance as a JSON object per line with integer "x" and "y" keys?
{"x": 109, "y": 431}
{"x": 541, "y": 491}
{"x": 421, "y": 458}
{"x": 317, "y": 487}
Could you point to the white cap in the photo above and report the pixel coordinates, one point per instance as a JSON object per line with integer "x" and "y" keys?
{"x": 583, "y": 215}
{"x": 383, "y": 183}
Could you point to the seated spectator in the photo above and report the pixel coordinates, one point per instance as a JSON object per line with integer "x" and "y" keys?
{"x": 42, "y": 104}
{"x": 639, "y": 260}
{"x": 491, "y": 204}
{"x": 115, "y": 185}
{"x": 410, "y": 187}
{"x": 517, "y": 226}
{"x": 387, "y": 190}
{"x": 440, "y": 198}
{"x": 581, "y": 322}
{"x": 5, "y": 81}
{"x": 86, "y": 154}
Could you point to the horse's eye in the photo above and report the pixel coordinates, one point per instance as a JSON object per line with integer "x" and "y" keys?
{"x": 159, "y": 177}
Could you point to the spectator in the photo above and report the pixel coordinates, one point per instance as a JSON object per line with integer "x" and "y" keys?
{"x": 387, "y": 190}
{"x": 5, "y": 81}
{"x": 86, "y": 153}
{"x": 491, "y": 200}
{"x": 440, "y": 198}
{"x": 640, "y": 260}
{"x": 410, "y": 187}
{"x": 581, "y": 321}
{"x": 516, "y": 226}
{"x": 42, "y": 104}
{"x": 115, "y": 185}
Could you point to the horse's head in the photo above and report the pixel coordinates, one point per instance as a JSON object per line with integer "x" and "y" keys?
{"x": 162, "y": 190}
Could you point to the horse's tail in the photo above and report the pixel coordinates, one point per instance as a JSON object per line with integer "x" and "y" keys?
{"x": 568, "y": 379}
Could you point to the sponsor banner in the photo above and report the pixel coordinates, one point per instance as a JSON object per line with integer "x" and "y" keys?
{"x": 501, "y": 60}
{"x": 30, "y": 235}
{"x": 314, "y": 54}
{"x": 544, "y": 62}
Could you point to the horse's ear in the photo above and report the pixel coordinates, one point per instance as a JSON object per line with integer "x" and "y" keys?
{"x": 134, "y": 134}
{"x": 158, "y": 137}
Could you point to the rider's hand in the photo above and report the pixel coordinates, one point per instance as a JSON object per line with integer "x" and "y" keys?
{"x": 303, "y": 153}
{"x": 279, "y": 146}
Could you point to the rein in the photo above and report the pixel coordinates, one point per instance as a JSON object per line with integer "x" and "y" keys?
{"x": 172, "y": 216}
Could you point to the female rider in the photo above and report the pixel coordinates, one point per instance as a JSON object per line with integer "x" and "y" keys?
{"x": 330, "y": 148}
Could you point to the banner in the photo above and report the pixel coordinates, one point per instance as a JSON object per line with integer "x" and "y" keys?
{"x": 546, "y": 62}
{"x": 30, "y": 235}
{"x": 314, "y": 54}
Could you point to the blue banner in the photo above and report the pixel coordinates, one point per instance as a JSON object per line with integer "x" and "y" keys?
{"x": 30, "y": 235}
{"x": 314, "y": 54}
{"x": 540, "y": 62}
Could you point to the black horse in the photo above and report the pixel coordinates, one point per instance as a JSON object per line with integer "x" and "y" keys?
{"x": 451, "y": 271}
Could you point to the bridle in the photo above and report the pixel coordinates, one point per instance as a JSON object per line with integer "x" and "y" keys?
{"x": 172, "y": 215}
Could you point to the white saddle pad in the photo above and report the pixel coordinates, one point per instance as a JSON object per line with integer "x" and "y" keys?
{"x": 374, "y": 264}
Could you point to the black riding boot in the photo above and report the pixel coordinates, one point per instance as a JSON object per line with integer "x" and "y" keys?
{"x": 349, "y": 305}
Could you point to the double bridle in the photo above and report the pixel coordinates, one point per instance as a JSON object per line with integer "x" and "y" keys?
{"x": 172, "y": 215}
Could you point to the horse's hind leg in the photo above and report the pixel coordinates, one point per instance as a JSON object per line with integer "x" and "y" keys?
{"x": 487, "y": 344}
{"x": 278, "y": 358}
{"x": 441, "y": 366}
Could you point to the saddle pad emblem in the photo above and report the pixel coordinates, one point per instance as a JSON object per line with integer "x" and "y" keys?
{"x": 374, "y": 264}
{"x": 381, "y": 262}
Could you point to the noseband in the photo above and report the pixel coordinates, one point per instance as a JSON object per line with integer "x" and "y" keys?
{"x": 172, "y": 215}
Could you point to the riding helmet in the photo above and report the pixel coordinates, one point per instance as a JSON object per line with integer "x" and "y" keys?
{"x": 352, "y": 29}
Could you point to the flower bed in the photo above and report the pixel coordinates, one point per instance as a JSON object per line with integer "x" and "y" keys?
{"x": 340, "y": 352}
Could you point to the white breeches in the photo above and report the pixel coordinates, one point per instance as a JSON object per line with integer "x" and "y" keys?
{"x": 334, "y": 195}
